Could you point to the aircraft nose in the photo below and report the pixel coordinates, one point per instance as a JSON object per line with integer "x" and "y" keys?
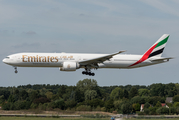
{"x": 4, "y": 61}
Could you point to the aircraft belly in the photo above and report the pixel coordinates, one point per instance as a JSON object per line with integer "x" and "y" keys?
{"x": 120, "y": 64}
{"x": 147, "y": 63}
{"x": 38, "y": 64}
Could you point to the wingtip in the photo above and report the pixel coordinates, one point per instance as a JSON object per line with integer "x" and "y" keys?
{"x": 122, "y": 51}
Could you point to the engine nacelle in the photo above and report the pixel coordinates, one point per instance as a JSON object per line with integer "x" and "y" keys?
{"x": 69, "y": 66}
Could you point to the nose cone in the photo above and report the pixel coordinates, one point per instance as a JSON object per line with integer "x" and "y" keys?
{"x": 4, "y": 61}
{"x": 7, "y": 61}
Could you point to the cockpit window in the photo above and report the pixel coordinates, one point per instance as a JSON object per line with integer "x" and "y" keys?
{"x": 7, "y": 57}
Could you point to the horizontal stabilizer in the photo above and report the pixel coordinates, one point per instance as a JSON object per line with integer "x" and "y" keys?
{"x": 162, "y": 59}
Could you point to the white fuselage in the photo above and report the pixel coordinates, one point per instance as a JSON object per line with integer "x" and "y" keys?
{"x": 57, "y": 60}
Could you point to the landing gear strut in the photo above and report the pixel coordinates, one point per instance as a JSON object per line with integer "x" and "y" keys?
{"x": 15, "y": 69}
{"x": 88, "y": 72}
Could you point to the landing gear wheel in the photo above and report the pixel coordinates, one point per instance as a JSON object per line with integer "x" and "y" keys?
{"x": 92, "y": 74}
{"x": 16, "y": 70}
{"x": 88, "y": 73}
{"x": 83, "y": 72}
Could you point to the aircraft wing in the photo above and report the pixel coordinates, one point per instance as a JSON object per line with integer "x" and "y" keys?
{"x": 162, "y": 59}
{"x": 99, "y": 59}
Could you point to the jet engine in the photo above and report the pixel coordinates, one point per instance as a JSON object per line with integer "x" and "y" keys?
{"x": 69, "y": 66}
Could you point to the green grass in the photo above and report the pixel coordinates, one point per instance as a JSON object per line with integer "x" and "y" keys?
{"x": 155, "y": 119}
{"x": 42, "y": 118}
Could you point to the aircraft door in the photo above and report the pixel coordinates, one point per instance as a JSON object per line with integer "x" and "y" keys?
{"x": 79, "y": 58}
{"x": 18, "y": 58}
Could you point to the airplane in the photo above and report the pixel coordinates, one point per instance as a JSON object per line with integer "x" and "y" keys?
{"x": 74, "y": 61}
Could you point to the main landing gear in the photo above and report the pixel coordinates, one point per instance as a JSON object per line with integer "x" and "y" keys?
{"x": 16, "y": 70}
{"x": 88, "y": 73}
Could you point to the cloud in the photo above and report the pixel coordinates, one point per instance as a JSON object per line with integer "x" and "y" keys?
{"x": 26, "y": 45}
{"x": 8, "y": 12}
{"x": 85, "y": 26}
{"x": 30, "y": 33}
{"x": 4, "y": 31}
{"x": 170, "y": 7}
{"x": 82, "y": 14}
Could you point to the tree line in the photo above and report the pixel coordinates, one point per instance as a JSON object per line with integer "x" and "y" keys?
{"x": 86, "y": 95}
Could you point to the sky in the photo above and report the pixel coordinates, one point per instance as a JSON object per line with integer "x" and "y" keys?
{"x": 88, "y": 26}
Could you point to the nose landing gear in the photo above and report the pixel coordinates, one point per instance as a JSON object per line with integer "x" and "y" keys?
{"x": 16, "y": 70}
